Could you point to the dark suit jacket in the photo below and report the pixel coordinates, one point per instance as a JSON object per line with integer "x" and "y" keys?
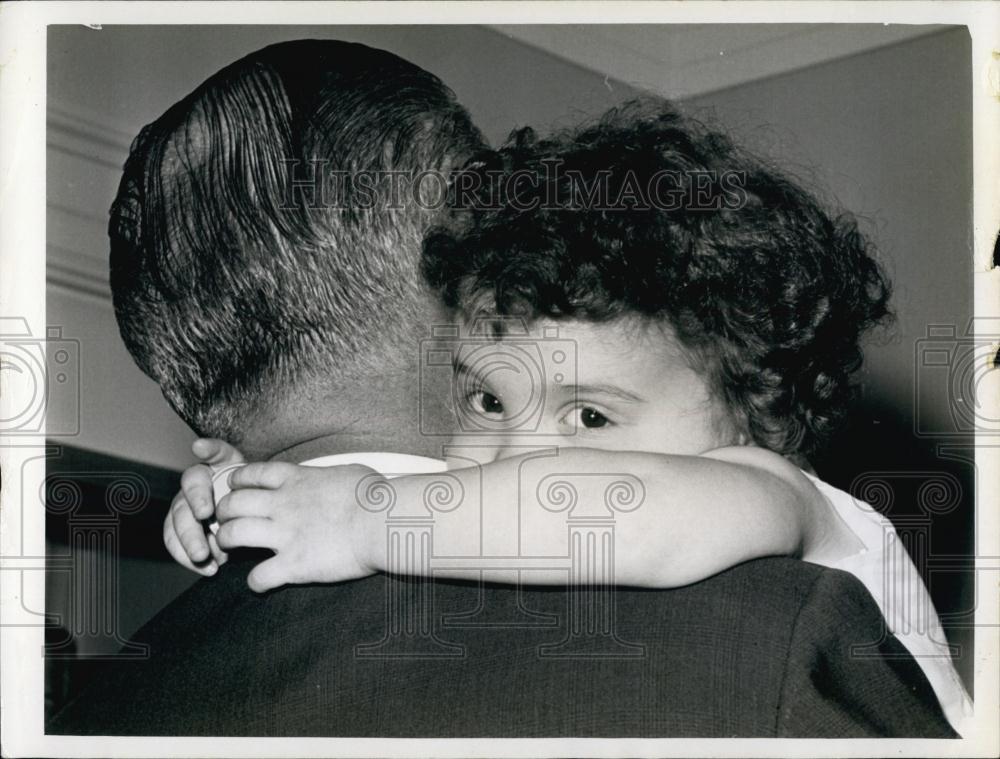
{"x": 764, "y": 649}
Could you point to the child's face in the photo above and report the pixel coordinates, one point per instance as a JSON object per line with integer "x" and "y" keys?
{"x": 631, "y": 390}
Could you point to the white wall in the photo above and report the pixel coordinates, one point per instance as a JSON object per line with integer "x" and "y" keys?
{"x": 888, "y": 135}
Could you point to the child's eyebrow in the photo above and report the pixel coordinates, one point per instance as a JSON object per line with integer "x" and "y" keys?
{"x": 459, "y": 367}
{"x": 612, "y": 390}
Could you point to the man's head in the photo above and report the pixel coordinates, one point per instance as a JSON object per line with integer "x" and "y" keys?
{"x": 239, "y": 273}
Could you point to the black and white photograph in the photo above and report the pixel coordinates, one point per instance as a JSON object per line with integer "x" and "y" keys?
{"x": 514, "y": 379}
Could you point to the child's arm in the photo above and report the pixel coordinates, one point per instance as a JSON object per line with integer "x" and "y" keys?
{"x": 700, "y": 515}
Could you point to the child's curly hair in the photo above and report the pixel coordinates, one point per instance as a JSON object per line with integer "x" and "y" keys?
{"x": 767, "y": 293}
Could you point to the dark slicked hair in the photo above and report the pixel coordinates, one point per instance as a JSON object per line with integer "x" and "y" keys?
{"x": 232, "y": 274}
{"x": 766, "y": 291}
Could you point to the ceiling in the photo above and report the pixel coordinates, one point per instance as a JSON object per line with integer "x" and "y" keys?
{"x": 682, "y": 60}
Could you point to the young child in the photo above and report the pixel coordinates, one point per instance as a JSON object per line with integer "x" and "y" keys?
{"x": 716, "y": 312}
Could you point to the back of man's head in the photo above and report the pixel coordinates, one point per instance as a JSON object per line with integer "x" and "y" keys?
{"x": 236, "y": 270}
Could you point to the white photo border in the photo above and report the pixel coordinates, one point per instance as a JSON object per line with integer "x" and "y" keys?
{"x": 22, "y": 294}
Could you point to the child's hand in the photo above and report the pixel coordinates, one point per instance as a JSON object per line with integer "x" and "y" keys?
{"x": 183, "y": 531}
{"x": 309, "y": 516}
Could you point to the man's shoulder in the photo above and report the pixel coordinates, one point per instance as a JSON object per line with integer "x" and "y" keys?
{"x": 707, "y": 659}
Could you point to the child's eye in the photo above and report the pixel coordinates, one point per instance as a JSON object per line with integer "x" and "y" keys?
{"x": 485, "y": 402}
{"x": 586, "y": 417}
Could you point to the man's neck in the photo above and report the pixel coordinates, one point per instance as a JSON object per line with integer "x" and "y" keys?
{"x": 329, "y": 445}
{"x": 379, "y": 413}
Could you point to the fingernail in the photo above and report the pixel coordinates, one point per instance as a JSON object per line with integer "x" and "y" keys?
{"x": 212, "y": 568}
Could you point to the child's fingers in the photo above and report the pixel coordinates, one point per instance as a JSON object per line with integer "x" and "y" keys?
{"x": 269, "y": 574}
{"x": 246, "y": 503}
{"x": 269, "y": 475}
{"x": 196, "y": 485}
{"x": 173, "y": 543}
{"x": 220, "y": 556}
{"x": 248, "y": 532}
{"x": 177, "y": 551}
{"x": 215, "y": 452}
{"x": 189, "y": 530}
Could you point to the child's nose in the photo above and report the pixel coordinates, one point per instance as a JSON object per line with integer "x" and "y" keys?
{"x": 526, "y": 442}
